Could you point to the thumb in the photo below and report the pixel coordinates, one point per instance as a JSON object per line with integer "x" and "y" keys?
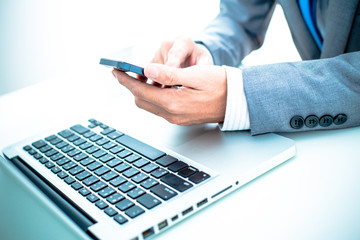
{"x": 166, "y": 75}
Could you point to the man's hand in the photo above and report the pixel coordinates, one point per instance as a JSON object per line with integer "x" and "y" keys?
{"x": 181, "y": 53}
{"x": 197, "y": 95}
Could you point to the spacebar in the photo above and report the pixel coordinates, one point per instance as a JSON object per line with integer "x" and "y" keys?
{"x": 140, "y": 147}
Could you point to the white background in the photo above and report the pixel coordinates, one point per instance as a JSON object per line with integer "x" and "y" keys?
{"x": 41, "y": 39}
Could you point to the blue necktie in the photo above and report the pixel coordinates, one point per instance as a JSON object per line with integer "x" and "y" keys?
{"x": 308, "y": 10}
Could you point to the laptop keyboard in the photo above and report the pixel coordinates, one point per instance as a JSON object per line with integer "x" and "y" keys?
{"x": 121, "y": 175}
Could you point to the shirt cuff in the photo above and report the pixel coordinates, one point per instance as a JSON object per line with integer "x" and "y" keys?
{"x": 237, "y": 113}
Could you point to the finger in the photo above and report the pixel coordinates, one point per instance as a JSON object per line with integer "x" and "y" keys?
{"x": 148, "y": 92}
{"x": 171, "y": 76}
{"x": 179, "y": 53}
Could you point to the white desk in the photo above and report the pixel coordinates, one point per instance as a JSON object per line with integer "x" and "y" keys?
{"x": 315, "y": 195}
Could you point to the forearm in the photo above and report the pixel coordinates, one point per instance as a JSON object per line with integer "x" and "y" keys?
{"x": 278, "y": 92}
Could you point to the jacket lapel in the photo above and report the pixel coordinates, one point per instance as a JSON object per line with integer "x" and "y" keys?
{"x": 339, "y": 20}
{"x": 301, "y": 35}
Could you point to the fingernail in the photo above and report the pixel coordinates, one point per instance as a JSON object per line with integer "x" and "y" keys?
{"x": 152, "y": 72}
{"x": 113, "y": 73}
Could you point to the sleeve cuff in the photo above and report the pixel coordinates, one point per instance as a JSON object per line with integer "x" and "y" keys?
{"x": 236, "y": 114}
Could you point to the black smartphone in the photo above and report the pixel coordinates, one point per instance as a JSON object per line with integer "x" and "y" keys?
{"x": 123, "y": 66}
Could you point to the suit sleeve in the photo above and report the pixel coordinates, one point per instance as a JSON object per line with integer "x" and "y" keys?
{"x": 239, "y": 28}
{"x": 276, "y": 93}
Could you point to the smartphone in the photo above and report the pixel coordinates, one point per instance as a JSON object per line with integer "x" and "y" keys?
{"x": 122, "y": 66}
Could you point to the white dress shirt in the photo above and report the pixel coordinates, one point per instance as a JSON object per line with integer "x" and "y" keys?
{"x": 237, "y": 113}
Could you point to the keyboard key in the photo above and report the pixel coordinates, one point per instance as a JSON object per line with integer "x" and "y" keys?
{"x": 134, "y": 211}
{"x": 131, "y": 172}
{"x": 177, "y": 166}
{"x": 115, "y": 135}
{"x": 79, "y": 142}
{"x": 79, "y": 129}
{"x": 56, "y": 157}
{"x": 80, "y": 157}
{"x": 76, "y": 170}
{"x": 44, "y": 149}
{"x": 140, "y": 147}
{"x": 69, "y": 180}
{"x": 66, "y": 133}
{"x": 199, "y": 177}
{"x": 107, "y": 131}
{"x": 114, "y": 198}
{"x": 101, "y": 204}
{"x": 56, "y": 169}
{"x": 89, "y": 134}
{"x": 139, "y": 177}
{"x": 76, "y": 185}
{"x": 102, "y": 170}
{"x": 110, "y": 175}
{"x": 176, "y": 182}
{"x": 149, "y": 183}
{"x": 106, "y": 192}
{"x": 87, "y": 161}
{"x": 49, "y": 138}
{"x": 94, "y": 165}
{"x": 62, "y": 175}
{"x": 56, "y": 141}
{"x": 90, "y": 180}
{"x": 95, "y": 138}
{"x": 84, "y": 191}
{"x": 117, "y": 181}
{"x": 99, "y": 154}
{"x": 68, "y": 148}
{"x": 109, "y": 145}
{"x": 125, "y": 187}
{"x": 43, "y": 160}
{"x": 92, "y": 149}
{"x": 61, "y": 145}
{"x": 73, "y": 138}
{"x": 92, "y": 198}
{"x": 27, "y": 148}
{"x": 132, "y": 158}
{"x": 150, "y": 167}
{"x": 187, "y": 172}
{"x": 98, "y": 186}
{"x": 158, "y": 173}
{"x": 120, "y": 219}
{"x": 49, "y": 165}
{"x": 163, "y": 192}
{"x": 39, "y": 144}
{"x": 124, "y": 204}
{"x": 148, "y": 201}
{"x": 116, "y": 149}
{"x": 166, "y": 160}
{"x": 102, "y": 141}
{"x": 73, "y": 152}
{"x": 81, "y": 176}
{"x": 63, "y": 161}
{"x": 110, "y": 211}
{"x": 136, "y": 192}
{"x": 124, "y": 153}
{"x": 113, "y": 163}
{"x": 122, "y": 167}
{"x": 140, "y": 163}
{"x": 85, "y": 145}
{"x": 69, "y": 165}
{"x": 106, "y": 158}
{"x": 48, "y": 153}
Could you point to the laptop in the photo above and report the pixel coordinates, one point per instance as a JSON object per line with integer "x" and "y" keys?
{"x": 115, "y": 185}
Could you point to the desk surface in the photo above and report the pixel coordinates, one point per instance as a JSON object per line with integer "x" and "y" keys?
{"x": 315, "y": 195}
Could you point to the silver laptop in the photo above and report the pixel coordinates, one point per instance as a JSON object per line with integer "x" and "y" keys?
{"x": 117, "y": 186}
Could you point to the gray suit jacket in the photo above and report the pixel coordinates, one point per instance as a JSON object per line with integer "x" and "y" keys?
{"x": 321, "y": 92}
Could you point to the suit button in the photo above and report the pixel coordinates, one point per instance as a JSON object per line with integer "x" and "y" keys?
{"x": 311, "y": 121}
{"x": 326, "y": 121}
{"x": 297, "y": 122}
{"x": 340, "y": 119}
